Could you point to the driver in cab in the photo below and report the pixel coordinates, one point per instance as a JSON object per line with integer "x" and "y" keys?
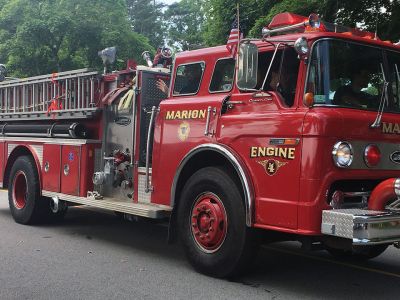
{"x": 352, "y": 94}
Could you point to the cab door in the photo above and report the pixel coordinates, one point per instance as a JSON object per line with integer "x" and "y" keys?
{"x": 265, "y": 129}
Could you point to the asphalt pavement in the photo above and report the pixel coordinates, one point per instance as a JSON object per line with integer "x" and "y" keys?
{"x": 94, "y": 255}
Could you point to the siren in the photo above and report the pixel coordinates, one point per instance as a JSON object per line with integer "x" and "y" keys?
{"x": 108, "y": 56}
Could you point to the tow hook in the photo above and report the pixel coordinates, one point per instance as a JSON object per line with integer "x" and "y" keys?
{"x": 57, "y": 205}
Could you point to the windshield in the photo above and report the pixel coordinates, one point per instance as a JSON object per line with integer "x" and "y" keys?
{"x": 351, "y": 75}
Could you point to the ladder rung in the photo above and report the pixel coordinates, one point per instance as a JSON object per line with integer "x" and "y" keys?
{"x": 67, "y": 92}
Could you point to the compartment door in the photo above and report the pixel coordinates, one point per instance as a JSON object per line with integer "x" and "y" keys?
{"x": 51, "y": 168}
{"x": 70, "y": 169}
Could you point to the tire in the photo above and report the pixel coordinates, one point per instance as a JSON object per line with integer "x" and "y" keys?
{"x": 24, "y": 192}
{"x": 212, "y": 224}
{"x": 358, "y": 252}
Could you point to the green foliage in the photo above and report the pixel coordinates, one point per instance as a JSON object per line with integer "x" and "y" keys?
{"x": 44, "y": 36}
{"x": 146, "y": 17}
{"x": 255, "y": 15}
{"x": 302, "y": 7}
{"x": 184, "y": 22}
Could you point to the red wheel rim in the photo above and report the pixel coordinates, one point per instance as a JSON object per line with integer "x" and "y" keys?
{"x": 209, "y": 222}
{"x": 20, "y": 190}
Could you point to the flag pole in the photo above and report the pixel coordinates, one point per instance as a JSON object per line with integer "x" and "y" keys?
{"x": 238, "y": 27}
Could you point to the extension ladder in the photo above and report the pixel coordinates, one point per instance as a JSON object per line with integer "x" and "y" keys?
{"x": 71, "y": 94}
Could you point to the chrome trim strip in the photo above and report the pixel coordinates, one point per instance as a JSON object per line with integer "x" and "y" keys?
{"x": 237, "y": 164}
{"x": 50, "y": 140}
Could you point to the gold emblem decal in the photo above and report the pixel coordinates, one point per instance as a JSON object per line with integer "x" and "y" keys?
{"x": 271, "y": 166}
{"x": 183, "y": 131}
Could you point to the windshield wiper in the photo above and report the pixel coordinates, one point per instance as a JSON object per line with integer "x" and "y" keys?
{"x": 397, "y": 83}
{"x": 384, "y": 100}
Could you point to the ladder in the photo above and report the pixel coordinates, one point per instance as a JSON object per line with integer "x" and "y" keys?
{"x": 64, "y": 95}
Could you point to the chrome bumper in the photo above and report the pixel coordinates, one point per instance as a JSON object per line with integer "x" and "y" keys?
{"x": 363, "y": 227}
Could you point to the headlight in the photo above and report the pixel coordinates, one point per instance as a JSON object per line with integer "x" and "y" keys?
{"x": 342, "y": 153}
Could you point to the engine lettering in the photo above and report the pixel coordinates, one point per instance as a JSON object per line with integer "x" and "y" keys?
{"x": 282, "y": 152}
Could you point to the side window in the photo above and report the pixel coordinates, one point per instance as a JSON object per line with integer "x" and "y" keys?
{"x": 188, "y": 78}
{"x": 283, "y": 75}
{"x": 222, "y": 78}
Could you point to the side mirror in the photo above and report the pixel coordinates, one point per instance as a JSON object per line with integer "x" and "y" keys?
{"x": 248, "y": 65}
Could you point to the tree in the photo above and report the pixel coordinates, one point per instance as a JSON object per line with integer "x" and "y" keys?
{"x": 221, "y": 14}
{"x": 145, "y": 17}
{"x": 370, "y": 14}
{"x": 184, "y": 22}
{"x": 43, "y": 36}
{"x": 255, "y": 15}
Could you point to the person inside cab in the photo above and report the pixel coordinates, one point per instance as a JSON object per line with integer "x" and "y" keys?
{"x": 353, "y": 94}
{"x": 187, "y": 80}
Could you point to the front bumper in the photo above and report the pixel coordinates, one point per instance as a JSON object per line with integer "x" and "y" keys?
{"x": 363, "y": 227}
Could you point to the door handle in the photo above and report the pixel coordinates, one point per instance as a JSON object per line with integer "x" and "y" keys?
{"x": 210, "y": 110}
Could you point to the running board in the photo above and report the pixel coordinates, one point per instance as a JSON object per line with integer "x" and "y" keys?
{"x": 147, "y": 210}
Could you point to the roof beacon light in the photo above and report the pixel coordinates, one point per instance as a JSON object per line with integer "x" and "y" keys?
{"x": 314, "y": 21}
{"x": 288, "y": 22}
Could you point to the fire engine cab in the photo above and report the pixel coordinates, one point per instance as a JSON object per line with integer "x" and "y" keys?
{"x": 297, "y": 135}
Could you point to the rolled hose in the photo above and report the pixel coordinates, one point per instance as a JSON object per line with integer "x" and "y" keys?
{"x": 384, "y": 192}
{"x": 55, "y": 130}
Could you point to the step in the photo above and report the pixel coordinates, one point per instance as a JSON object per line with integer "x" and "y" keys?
{"x": 147, "y": 210}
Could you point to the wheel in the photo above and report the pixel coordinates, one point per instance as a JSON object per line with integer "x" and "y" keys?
{"x": 24, "y": 192}
{"x": 358, "y": 252}
{"x": 212, "y": 223}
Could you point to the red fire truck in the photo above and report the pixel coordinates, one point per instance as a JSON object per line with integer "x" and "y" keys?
{"x": 297, "y": 136}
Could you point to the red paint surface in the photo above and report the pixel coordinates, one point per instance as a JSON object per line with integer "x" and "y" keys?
{"x": 70, "y": 156}
{"x": 51, "y": 179}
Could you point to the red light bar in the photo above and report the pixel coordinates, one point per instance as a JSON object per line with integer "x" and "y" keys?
{"x": 286, "y": 19}
{"x": 289, "y": 22}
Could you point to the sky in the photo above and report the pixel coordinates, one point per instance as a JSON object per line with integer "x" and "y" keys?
{"x": 168, "y": 1}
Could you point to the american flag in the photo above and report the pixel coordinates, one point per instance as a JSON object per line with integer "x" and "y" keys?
{"x": 234, "y": 38}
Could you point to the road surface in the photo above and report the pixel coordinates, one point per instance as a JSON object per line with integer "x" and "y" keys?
{"x": 94, "y": 255}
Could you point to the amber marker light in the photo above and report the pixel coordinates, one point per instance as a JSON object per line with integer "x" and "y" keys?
{"x": 309, "y": 99}
{"x": 372, "y": 155}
